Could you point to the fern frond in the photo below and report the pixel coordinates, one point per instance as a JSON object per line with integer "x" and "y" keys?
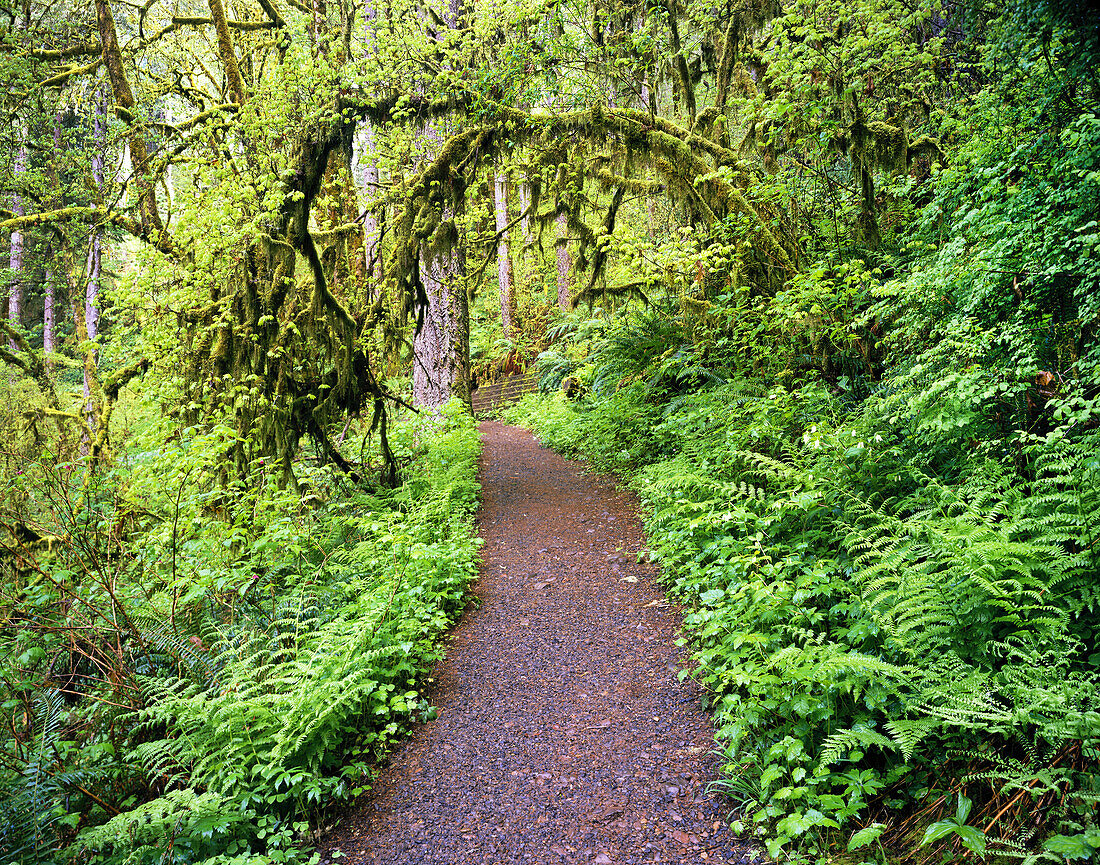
{"x": 842, "y": 742}
{"x": 908, "y": 733}
{"x": 27, "y": 816}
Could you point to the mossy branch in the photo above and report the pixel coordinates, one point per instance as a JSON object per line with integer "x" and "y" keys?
{"x": 93, "y": 215}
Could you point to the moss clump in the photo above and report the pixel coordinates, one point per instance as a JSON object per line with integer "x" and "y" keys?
{"x": 887, "y": 146}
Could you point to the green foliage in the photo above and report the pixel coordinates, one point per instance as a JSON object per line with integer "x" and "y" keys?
{"x": 972, "y": 837}
{"x": 883, "y": 524}
{"x": 861, "y": 404}
{"x": 33, "y": 803}
{"x": 272, "y": 655}
{"x": 856, "y": 620}
{"x": 196, "y": 827}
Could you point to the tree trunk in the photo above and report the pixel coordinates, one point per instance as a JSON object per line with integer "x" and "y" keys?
{"x": 53, "y": 252}
{"x": 49, "y": 311}
{"x": 646, "y": 96}
{"x": 124, "y": 99}
{"x": 367, "y": 178}
{"x": 15, "y": 258}
{"x": 441, "y": 347}
{"x": 528, "y": 238}
{"x": 95, "y": 251}
{"x": 89, "y": 310}
{"x": 687, "y": 87}
{"x": 504, "y": 258}
{"x": 91, "y": 294}
{"x": 91, "y": 382}
{"x": 564, "y": 261}
{"x": 234, "y": 83}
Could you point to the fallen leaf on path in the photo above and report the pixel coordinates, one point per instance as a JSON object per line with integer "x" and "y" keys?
{"x": 684, "y": 838}
{"x": 544, "y": 583}
{"x": 629, "y": 580}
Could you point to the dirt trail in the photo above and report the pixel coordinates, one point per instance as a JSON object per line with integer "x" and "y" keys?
{"x": 564, "y": 735}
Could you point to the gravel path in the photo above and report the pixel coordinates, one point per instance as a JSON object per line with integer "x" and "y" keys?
{"x": 564, "y": 734}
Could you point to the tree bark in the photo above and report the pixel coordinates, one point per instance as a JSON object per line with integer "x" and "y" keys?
{"x": 49, "y": 313}
{"x": 15, "y": 257}
{"x": 91, "y": 380}
{"x": 135, "y": 139}
{"x": 95, "y": 251}
{"x": 228, "y": 56}
{"x": 686, "y": 86}
{"x": 504, "y": 257}
{"x": 87, "y": 312}
{"x": 441, "y": 347}
{"x": 646, "y": 96}
{"x": 564, "y": 262}
{"x": 527, "y": 268}
{"x": 368, "y": 176}
{"x": 367, "y": 180}
{"x": 53, "y": 255}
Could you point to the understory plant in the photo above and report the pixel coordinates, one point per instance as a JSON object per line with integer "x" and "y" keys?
{"x": 876, "y": 494}
{"x": 265, "y": 662}
{"x": 874, "y": 643}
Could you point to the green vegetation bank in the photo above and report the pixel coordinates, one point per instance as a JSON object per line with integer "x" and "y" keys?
{"x": 877, "y": 493}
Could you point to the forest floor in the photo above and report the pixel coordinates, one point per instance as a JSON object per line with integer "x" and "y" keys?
{"x": 564, "y": 734}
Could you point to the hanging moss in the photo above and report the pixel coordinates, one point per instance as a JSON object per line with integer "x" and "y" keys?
{"x": 627, "y": 151}
{"x": 635, "y": 186}
{"x": 885, "y": 146}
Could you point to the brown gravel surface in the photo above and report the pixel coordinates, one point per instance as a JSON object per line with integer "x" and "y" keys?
{"x": 564, "y": 734}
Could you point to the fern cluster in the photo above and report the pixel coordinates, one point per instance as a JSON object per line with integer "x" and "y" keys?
{"x": 868, "y": 632}
{"x": 854, "y": 635}
{"x": 247, "y": 715}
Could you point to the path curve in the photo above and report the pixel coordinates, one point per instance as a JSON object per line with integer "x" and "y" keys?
{"x": 564, "y": 734}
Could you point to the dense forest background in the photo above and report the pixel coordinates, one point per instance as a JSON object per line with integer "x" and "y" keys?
{"x": 822, "y": 277}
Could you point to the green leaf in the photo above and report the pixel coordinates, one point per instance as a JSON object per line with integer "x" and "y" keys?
{"x": 865, "y": 836}
{"x": 973, "y": 838}
{"x": 937, "y": 831}
{"x": 962, "y": 811}
{"x": 1074, "y": 846}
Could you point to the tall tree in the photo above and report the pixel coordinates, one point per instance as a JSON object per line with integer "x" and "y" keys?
{"x": 441, "y": 346}
{"x": 87, "y": 312}
{"x": 504, "y": 255}
{"x": 15, "y": 256}
{"x": 563, "y": 262}
{"x": 257, "y": 253}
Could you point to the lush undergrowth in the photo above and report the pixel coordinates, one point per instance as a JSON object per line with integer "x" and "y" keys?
{"x": 881, "y": 648}
{"x": 255, "y": 654}
{"x": 877, "y": 493}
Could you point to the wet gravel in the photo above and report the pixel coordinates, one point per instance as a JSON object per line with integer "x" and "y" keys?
{"x": 564, "y": 734}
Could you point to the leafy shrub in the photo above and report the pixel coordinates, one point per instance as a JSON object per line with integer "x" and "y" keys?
{"x": 869, "y": 636}
{"x": 270, "y": 659}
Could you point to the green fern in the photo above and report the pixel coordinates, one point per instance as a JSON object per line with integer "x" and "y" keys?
{"x": 32, "y": 805}
{"x": 908, "y": 733}
{"x": 184, "y": 824}
{"x": 842, "y": 742}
